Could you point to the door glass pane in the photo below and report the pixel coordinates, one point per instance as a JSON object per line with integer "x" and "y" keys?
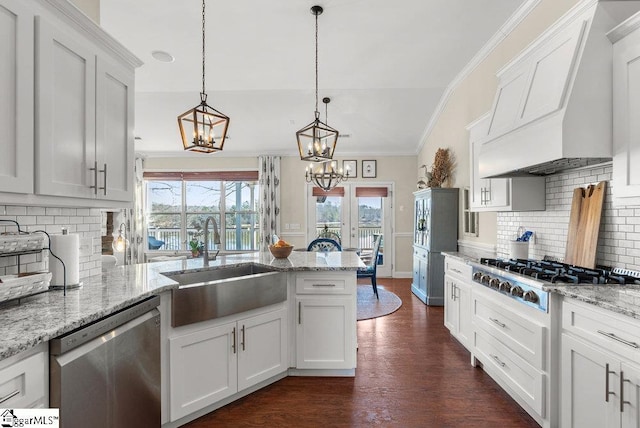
{"x": 328, "y": 215}
{"x": 369, "y": 221}
{"x": 163, "y": 207}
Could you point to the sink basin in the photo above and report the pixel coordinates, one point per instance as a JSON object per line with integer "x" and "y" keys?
{"x": 216, "y": 293}
{"x": 197, "y": 278}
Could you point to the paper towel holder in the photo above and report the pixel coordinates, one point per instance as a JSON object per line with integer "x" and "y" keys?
{"x": 64, "y": 285}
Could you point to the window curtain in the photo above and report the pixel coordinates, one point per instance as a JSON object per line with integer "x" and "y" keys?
{"x": 269, "y": 178}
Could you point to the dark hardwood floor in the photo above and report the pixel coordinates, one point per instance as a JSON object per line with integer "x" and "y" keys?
{"x": 411, "y": 373}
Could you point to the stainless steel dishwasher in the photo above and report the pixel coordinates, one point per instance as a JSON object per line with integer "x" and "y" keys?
{"x": 107, "y": 374}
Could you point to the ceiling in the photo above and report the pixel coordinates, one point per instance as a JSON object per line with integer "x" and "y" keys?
{"x": 385, "y": 66}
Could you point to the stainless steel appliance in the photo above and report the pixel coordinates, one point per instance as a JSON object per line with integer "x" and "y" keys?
{"x": 107, "y": 374}
{"x": 524, "y": 280}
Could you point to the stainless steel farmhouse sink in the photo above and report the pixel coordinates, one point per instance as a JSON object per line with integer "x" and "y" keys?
{"x": 216, "y": 293}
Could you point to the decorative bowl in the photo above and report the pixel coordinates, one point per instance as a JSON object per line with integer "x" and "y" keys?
{"x": 280, "y": 252}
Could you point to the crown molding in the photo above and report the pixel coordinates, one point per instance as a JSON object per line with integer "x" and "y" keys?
{"x": 514, "y": 20}
{"x": 74, "y": 16}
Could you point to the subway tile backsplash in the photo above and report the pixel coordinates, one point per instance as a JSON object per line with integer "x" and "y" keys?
{"x": 86, "y": 222}
{"x": 619, "y": 238}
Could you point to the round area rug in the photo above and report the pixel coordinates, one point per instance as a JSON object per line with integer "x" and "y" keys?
{"x": 370, "y": 307}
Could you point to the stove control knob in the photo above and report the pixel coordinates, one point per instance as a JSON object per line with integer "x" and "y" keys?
{"x": 530, "y": 296}
{"x": 485, "y": 279}
{"x": 517, "y": 291}
{"x": 505, "y": 286}
{"x": 494, "y": 283}
{"x": 477, "y": 276}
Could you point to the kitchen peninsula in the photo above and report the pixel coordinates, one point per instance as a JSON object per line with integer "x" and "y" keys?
{"x": 316, "y": 321}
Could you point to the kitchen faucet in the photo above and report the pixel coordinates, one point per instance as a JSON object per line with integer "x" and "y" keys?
{"x": 216, "y": 239}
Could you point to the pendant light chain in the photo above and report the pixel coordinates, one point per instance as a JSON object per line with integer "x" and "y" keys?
{"x": 317, "y": 112}
{"x": 203, "y": 39}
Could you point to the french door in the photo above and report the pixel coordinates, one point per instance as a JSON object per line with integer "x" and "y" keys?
{"x": 356, "y": 213}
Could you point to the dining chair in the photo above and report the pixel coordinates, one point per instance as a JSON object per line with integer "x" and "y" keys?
{"x": 372, "y": 266}
{"x": 324, "y": 244}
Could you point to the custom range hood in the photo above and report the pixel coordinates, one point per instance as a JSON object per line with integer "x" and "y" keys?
{"x": 553, "y": 107}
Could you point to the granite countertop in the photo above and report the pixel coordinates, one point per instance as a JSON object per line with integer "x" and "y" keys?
{"x": 461, "y": 256}
{"x": 622, "y": 299}
{"x": 45, "y": 316}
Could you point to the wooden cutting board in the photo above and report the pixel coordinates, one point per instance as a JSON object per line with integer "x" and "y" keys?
{"x": 584, "y": 225}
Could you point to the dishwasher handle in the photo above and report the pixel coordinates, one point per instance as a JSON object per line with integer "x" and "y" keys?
{"x": 86, "y": 333}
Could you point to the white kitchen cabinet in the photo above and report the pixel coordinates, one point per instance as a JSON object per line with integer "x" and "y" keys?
{"x": 500, "y": 194}
{"x": 325, "y": 322}
{"x": 600, "y": 377}
{"x": 16, "y": 102}
{"x": 84, "y": 126}
{"x": 626, "y": 107}
{"x": 457, "y": 306}
{"x": 24, "y": 379}
{"x": 212, "y": 363}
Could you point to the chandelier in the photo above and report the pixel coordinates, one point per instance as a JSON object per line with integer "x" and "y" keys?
{"x": 203, "y": 129}
{"x": 325, "y": 175}
{"x": 317, "y": 141}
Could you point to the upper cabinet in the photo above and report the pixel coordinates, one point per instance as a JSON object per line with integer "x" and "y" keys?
{"x": 16, "y": 102}
{"x": 626, "y": 105}
{"x": 82, "y": 82}
{"x": 500, "y": 194}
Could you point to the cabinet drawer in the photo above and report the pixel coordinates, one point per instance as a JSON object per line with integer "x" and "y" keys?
{"x": 617, "y": 333}
{"x": 509, "y": 369}
{"x": 522, "y": 335}
{"x": 457, "y": 268}
{"x": 420, "y": 252}
{"x": 22, "y": 384}
{"x": 323, "y": 283}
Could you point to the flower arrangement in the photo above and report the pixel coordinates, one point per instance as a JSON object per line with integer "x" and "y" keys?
{"x": 441, "y": 170}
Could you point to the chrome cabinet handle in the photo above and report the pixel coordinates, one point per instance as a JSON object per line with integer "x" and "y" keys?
{"x": 619, "y": 339}
{"x": 323, "y": 285}
{"x": 497, "y": 360}
{"x": 95, "y": 177}
{"x": 456, "y": 271}
{"x": 607, "y": 393}
{"x": 10, "y": 395}
{"x": 243, "y": 338}
{"x": 299, "y": 312}
{"x": 622, "y": 400}
{"x": 233, "y": 344}
{"x": 495, "y": 321}
{"x": 104, "y": 188}
{"x": 487, "y": 194}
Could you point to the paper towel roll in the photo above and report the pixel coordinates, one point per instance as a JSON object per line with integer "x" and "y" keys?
{"x": 67, "y": 248}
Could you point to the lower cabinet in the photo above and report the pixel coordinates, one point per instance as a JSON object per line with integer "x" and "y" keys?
{"x": 215, "y": 362}
{"x": 457, "y": 310}
{"x": 24, "y": 379}
{"x": 324, "y": 332}
{"x": 600, "y": 381}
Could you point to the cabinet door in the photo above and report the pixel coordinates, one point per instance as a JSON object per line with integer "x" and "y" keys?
{"x": 584, "y": 383}
{"x": 262, "y": 347}
{"x": 65, "y": 106}
{"x": 16, "y": 102}
{"x": 114, "y": 131}
{"x": 203, "y": 369}
{"x": 626, "y": 127}
{"x": 324, "y": 333}
{"x": 450, "y": 306}
{"x": 465, "y": 326}
{"x": 630, "y": 393}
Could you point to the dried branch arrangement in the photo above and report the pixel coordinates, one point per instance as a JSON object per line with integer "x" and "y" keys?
{"x": 441, "y": 170}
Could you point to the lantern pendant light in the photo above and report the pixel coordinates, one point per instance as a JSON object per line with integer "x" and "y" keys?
{"x": 325, "y": 175}
{"x": 203, "y": 129}
{"x": 317, "y": 141}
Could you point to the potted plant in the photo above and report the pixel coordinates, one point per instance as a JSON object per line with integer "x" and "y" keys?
{"x": 196, "y": 247}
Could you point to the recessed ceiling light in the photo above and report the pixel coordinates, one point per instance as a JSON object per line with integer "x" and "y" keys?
{"x": 162, "y": 56}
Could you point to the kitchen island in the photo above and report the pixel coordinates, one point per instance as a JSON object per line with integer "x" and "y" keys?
{"x": 42, "y": 317}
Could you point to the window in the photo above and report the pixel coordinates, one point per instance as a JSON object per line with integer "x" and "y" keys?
{"x": 470, "y": 217}
{"x": 178, "y": 204}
